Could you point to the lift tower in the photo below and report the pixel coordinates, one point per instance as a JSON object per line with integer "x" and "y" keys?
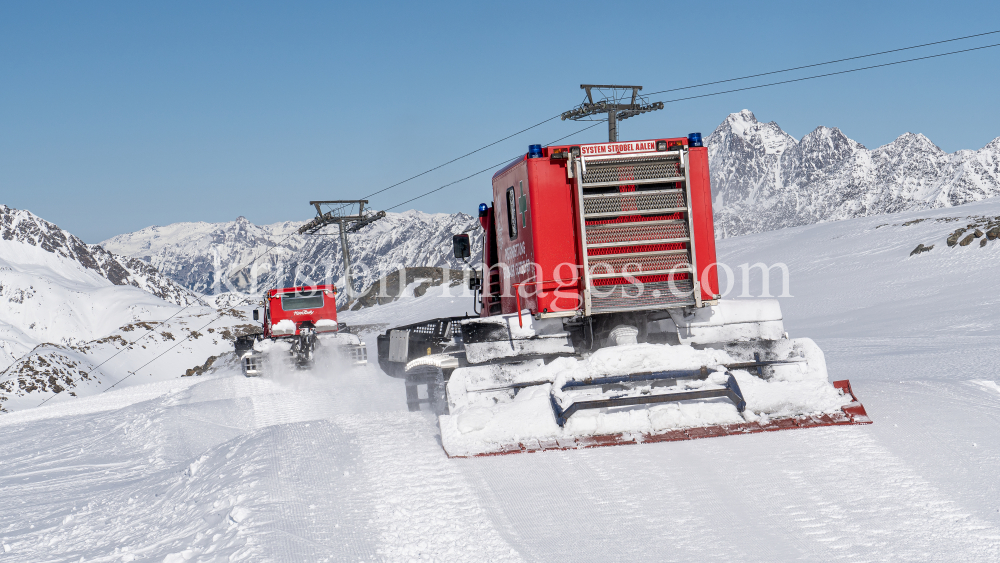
{"x": 611, "y": 100}
{"x": 351, "y": 216}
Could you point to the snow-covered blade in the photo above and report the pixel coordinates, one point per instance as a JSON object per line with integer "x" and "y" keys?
{"x": 269, "y": 357}
{"x": 522, "y": 414}
{"x": 644, "y": 389}
{"x": 850, "y": 414}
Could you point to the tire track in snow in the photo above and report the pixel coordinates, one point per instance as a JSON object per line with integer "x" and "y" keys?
{"x": 315, "y": 509}
{"x": 609, "y": 504}
{"x": 946, "y": 431}
{"x": 862, "y": 503}
{"x": 850, "y": 499}
{"x": 111, "y": 493}
{"x": 424, "y": 509}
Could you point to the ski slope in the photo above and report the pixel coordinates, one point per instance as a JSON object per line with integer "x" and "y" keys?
{"x": 329, "y": 465}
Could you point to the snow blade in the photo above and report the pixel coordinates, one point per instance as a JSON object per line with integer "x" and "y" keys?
{"x": 851, "y": 414}
{"x": 657, "y": 379}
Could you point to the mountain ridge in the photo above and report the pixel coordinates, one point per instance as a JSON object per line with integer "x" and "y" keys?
{"x": 764, "y": 179}
{"x": 212, "y": 258}
{"x": 18, "y": 225}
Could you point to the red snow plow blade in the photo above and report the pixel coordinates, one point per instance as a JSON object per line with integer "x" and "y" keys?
{"x": 852, "y": 413}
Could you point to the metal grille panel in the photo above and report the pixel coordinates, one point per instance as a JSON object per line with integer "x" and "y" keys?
{"x": 627, "y": 171}
{"x": 437, "y": 328}
{"x": 635, "y": 232}
{"x": 632, "y": 202}
{"x": 655, "y": 295}
{"x": 637, "y": 264}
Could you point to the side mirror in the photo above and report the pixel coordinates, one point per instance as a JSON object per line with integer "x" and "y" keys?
{"x": 463, "y": 248}
{"x": 475, "y": 282}
{"x": 256, "y": 314}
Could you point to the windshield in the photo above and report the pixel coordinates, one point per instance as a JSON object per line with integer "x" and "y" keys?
{"x": 296, "y": 301}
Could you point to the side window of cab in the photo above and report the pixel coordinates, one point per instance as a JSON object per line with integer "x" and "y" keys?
{"x": 512, "y": 212}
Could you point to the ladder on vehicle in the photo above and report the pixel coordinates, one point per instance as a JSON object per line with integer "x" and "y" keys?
{"x": 638, "y": 252}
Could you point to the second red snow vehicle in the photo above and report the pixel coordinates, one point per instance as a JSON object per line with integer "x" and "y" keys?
{"x": 299, "y": 321}
{"x": 601, "y": 316}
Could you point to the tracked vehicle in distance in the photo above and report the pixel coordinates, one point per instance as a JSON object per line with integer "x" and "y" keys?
{"x": 297, "y": 323}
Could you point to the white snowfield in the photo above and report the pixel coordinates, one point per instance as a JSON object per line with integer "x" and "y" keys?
{"x": 329, "y": 465}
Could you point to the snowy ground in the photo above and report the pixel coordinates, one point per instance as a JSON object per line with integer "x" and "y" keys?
{"x": 329, "y": 466}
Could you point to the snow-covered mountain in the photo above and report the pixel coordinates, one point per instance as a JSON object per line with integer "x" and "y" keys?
{"x": 67, "y": 307}
{"x": 21, "y": 226}
{"x": 211, "y": 258}
{"x": 763, "y": 179}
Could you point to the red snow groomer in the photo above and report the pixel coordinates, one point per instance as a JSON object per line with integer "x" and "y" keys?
{"x": 301, "y": 321}
{"x": 601, "y": 317}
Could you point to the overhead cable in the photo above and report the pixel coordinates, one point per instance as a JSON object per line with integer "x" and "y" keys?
{"x": 830, "y": 74}
{"x": 821, "y": 64}
{"x": 540, "y": 123}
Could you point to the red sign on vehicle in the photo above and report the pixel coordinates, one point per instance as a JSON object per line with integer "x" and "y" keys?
{"x": 617, "y": 148}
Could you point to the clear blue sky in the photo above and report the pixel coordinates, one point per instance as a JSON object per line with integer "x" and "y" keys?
{"x": 119, "y": 115}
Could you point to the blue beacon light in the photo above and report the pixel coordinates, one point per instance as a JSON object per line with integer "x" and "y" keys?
{"x": 483, "y": 209}
{"x": 534, "y": 151}
{"x": 694, "y": 140}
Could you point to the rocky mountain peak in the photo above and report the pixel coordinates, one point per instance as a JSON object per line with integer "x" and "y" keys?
{"x": 740, "y": 121}
{"x": 763, "y": 179}
{"x": 831, "y": 137}
{"x": 22, "y": 226}
{"x": 914, "y": 142}
{"x": 743, "y": 132}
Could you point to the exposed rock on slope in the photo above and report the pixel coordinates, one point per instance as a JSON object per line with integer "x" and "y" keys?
{"x": 49, "y": 368}
{"x": 75, "y": 318}
{"x": 388, "y": 289}
{"x": 763, "y": 179}
{"x": 210, "y": 257}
